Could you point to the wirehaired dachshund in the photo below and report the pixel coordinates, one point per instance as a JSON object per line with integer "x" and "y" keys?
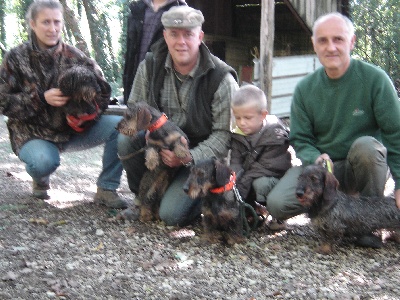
{"x": 213, "y": 181}
{"x": 80, "y": 84}
{"x": 162, "y": 134}
{"x": 335, "y": 214}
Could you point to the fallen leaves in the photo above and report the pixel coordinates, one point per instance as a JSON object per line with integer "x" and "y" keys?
{"x": 42, "y": 221}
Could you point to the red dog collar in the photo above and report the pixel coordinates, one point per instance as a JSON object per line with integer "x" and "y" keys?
{"x": 159, "y": 123}
{"x": 76, "y": 122}
{"x": 226, "y": 187}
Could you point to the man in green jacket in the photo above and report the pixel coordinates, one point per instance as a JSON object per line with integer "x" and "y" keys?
{"x": 348, "y": 113}
{"x": 181, "y": 78}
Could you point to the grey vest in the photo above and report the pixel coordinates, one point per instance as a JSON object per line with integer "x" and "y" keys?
{"x": 199, "y": 125}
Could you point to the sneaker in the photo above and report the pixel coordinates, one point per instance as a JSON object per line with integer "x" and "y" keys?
{"x": 40, "y": 191}
{"x": 109, "y": 199}
{"x": 277, "y": 225}
{"x": 130, "y": 214}
{"x": 370, "y": 241}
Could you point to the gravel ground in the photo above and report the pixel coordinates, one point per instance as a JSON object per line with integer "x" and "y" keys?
{"x": 69, "y": 248}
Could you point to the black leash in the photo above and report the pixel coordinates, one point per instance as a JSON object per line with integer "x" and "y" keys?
{"x": 130, "y": 155}
{"x": 242, "y": 207}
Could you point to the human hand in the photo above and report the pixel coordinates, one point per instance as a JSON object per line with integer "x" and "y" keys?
{"x": 397, "y": 197}
{"x": 321, "y": 158}
{"x": 55, "y": 97}
{"x": 325, "y": 161}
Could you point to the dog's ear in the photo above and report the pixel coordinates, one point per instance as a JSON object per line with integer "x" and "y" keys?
{"x": 331, "y": 186}
{"x": 143, "y": 118}
{"x": 222, "y": 173}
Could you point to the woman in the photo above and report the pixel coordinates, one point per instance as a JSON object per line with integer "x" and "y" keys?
{"x": 34, "y": 105}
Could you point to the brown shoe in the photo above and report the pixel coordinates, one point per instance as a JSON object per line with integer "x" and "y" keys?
{"x": 109, "y": 199}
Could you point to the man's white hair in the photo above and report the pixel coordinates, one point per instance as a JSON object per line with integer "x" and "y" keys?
{"x": 323, "y": 18}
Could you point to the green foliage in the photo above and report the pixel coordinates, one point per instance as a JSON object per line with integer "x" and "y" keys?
{"x": 377, "y": 25}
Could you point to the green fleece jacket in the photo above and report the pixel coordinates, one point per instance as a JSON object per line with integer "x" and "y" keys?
{"x": 328, "y": 115}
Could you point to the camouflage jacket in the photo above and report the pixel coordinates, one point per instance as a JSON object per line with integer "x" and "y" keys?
{"x": 26, "y": 73}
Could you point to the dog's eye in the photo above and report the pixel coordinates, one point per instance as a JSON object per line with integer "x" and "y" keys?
{"x": 314, "y": 178}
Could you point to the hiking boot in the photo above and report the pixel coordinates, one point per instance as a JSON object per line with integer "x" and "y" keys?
{"x": 370, "y": 241}
{"x": 109, "y": 199}
{"x": 130, "y": 214}
{"x": 40, "y": 191}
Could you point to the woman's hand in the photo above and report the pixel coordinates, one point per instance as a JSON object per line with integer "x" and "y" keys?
{"x": 55, "y": 97}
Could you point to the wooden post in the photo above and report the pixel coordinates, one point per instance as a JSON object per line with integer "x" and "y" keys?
{"x": 267, "y": 47}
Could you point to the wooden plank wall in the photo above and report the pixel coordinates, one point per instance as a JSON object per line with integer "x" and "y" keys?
{"x": 286, "y": 73}
{"x": 310, "y": 10}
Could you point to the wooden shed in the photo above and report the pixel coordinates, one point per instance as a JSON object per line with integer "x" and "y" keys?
{"x": 240, "y": 31}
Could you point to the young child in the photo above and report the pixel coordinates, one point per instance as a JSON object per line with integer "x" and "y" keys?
{"x": 259, "y": 145}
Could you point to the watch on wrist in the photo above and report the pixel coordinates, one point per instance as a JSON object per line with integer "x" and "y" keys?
{"x": 189, "y": 163}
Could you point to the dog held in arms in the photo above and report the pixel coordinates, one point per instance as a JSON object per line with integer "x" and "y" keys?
{"x": 212, "y": 180}
{"x": 80, "y": 84}
{"x": 335, "y": 214}
{"x": 163, "y": 134}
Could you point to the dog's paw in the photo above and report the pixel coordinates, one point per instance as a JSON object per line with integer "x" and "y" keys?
{"x": 394, "y": 236}
{"x": 211, "y": 238}
{"x": 152, "y": 159}
{"x": 235, "y": 239}
{"x": 146, "y": 214}
{"x": 181, "y": 151}
{"x": 324, "y": 249}
{"x": 151, "y": 164}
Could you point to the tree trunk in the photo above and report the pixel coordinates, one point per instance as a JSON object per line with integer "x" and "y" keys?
{"x": 98, "y": 33}
{"x": 73, "y": 28}
{"x": 267, "y": 47}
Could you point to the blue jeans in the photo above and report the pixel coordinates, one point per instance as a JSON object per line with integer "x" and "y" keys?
{"x": 42, "y": 157}
{"x": 176, "y": 207}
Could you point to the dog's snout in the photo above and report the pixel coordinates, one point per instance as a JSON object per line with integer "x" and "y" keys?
{"x": 186, "y": 187}
{"x": 299, "y": 192}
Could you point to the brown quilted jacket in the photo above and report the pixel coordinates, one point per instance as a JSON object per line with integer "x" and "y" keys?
{"x": 26, "y": 73}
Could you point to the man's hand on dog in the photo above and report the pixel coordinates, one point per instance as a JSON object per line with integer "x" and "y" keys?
{"x": 320, "y": 159}
{"x": 171, "y": 160}
{"x": 55, "y": 97}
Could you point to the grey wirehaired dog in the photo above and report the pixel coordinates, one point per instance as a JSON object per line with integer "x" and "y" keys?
{"x": 212, "y": 181}
{"x": 163, "y": 134}
{"x": 80, "y": 84}
{"x": 335, "y": 214}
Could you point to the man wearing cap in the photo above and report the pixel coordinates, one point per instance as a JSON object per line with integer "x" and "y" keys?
{"x": 181, "y": 78}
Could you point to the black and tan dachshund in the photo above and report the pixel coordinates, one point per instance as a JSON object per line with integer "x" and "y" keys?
{"x": 335, "y": 214}
{"x": 162, "y": 134}
{"x": 212, "y": 181}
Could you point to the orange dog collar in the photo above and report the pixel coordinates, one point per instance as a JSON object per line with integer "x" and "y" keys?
{"x": 227, "y": 187}
{"x": 159, "y": 123}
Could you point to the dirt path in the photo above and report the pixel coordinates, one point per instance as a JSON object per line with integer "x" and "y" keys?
{"x": 69, "y": 248}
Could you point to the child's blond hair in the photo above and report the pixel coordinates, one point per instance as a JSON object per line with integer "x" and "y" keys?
{"x": 250, "y": 95}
